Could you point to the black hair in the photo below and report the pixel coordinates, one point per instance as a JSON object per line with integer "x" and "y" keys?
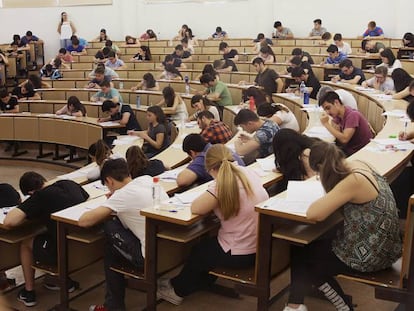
{"x": 171, "y": 68}
{"x": 108, "y": 43}
{"x": 29, "y": 33}
{"x": 288, "y": 146}
{"x": 4, "y": 92}
{"x": 147, "y": 52}
{"x": 222, "y": 46}
{"x": 337, "y": 37}
{"x": 111, "y": 54}
{"x": 29, "y": 87}
{"x": 218, "y": 29}
{"x": 179, "y": 47}
{"x": 159, "y": 113}
{"x": 75, "y": 41}
{"x": 105, "y": 83}
{"x": 326, "y": 36}
{"x": 277, "y": 24}
{"x": 297, "y": 72}
{"x": 35, "y": 80}
{"x": 401, "y": 78}
{"x": 205, "y": 113}
{"x": 31, "y": 181}
{"x": 169, "y": 96}
{"x": 114, "y": 168}
{"x": 269, "y": 109}
{"x": 330, "y": 97}
{"x": 8, "y": 195}
{"x": 389, "y": 55}
{"x": 206, "y": 78}
{"x": 345, "y": 63}
{"x": 208, "y": 68}
{"x": 77, "y": 105}
{"x": 107, "y": 105}
{"x": 318, "y": 21}
{"x": 257, "y": 60}
{"x": 332, "y": 48}
{"x": 62, "y": 50}
{"x": 194, "y": 142}
{"x": 297, "y": 52}
{"x": 206, "y": 102}
{"x": 244, "y": 116}
{"x": 149, "y": 79}
{"x": 259, "y": 96}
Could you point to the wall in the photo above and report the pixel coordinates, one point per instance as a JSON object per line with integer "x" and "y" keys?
{"x": 239, "y": 18}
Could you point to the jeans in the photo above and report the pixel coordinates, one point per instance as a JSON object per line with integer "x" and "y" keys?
{"x": 121, "y": 244}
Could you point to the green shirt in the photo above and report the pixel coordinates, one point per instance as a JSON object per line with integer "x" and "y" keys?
{"x": 111, "y": 94}
{"x": 221, "y": 89}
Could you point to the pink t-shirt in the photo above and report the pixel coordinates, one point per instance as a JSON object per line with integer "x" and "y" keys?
{"x": 362, "y": 136}
{"x": 239, "y": 233}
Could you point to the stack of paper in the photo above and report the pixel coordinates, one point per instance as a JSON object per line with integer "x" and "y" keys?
{"x": 300, "y": 195}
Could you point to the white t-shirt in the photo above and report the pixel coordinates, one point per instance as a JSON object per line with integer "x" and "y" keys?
{"x": 65, "y": 30}
{"x": 347, "y": 99}
{"x": 397, "y": 64}
{"x": 129, "y": 200}
{"x": 288, "y": 119}
{"x": 345, "y": 49}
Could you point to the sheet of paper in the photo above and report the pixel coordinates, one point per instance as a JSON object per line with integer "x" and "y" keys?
{"x": 171, "y": 174}
{"x": 267, "y": 164}
{"x": 109, "y": 124}
{"x": 188, "y": 197}
{"x": 95, "y": 189}
{"x": 73, "y": 175}
{"x": 395, "y": 113}
{"x": 3, "y": 212}
{"x": 306, "y": 191}
{"x": 393, "y": 144}
{"x": 318, "y": 131}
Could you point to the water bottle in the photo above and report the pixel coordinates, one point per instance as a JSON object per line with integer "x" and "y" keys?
{"x": 302, "y": 89}
{"x": 306, "y": 97}
{"x": 252, "y": 105}
{"x": 138, "y": 102}
{"x": 156, "y": 193}
{"x": 187, "y": 85}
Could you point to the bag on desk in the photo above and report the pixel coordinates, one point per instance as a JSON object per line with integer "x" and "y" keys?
{"x": 44, "y": 250}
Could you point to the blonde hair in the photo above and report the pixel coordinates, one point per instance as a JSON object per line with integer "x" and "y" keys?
{"x": 219, "y": 157}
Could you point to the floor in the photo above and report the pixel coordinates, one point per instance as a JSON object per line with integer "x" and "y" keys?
{"x": 92, "y": 276}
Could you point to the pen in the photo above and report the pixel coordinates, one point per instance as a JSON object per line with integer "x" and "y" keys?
{"x": 405, "y": 129}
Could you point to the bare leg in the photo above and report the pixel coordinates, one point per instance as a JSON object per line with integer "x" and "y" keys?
{"x": 26, "y": 259}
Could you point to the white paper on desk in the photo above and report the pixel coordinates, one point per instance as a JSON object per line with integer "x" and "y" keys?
{"x": 188, "y": 197}
{"x": 171, "y": 175}
{"x": 300, "y": 195}
{"x": 383, "y": 96}
{"x": 267, "y": 164}
{"x": 109, "y": 123}
{"x": 288, "y": 95}
{"x": 73, "y": 175}
{"x": 365, "y": 89}
{"x": 120, "y": 142}
{"x": 4, "y": 211}
{"x": 176, "y": 146}
{"x": 191, "y": 124}
{"x": 127, "y": 138}
{"x": 312, "y": 108}
{"x": 394, "y": 142}
{"x": 65, "y": 116}
{"x": 395, "y": 113}
{"x": 318, "y": 131}
{"x": 95, "y": 189}
{"x": 47, "y": 115}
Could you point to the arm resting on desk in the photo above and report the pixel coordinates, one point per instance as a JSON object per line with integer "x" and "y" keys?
{"x": 14, "y": 218}
{"x": 204, "y": 204}
{"x": 95, "y": 216}
{"x": 186, "y": 178}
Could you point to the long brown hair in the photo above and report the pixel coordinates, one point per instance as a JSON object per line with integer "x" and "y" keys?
{"x": 228, "y": 195}
{"x": 329, "y": 161}
{"x": 100, "y": 150}
{"x": 136, "y": 160}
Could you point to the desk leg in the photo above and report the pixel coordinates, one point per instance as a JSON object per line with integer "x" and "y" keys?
{"x": 151, "y": 263}
{"x": 263, "y": 259}
{"x": 63, "y": 266}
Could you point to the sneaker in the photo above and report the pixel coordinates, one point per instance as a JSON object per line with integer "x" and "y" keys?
{"x": 300, "y": 308}
{"x": 71, "y": 286}
{"x": 97, "y": 308}
{"x": 166, "y": 291}
{"x": 27, "y": 297}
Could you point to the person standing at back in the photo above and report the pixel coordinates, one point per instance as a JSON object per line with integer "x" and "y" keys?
{"x": 65, "y": 29}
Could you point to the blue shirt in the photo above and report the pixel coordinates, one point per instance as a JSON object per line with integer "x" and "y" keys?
{"x": 337, "y": 59}
{"x": 374, "y": 33}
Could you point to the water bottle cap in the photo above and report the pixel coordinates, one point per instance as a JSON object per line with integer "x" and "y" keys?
{"x": 155, "y": 179}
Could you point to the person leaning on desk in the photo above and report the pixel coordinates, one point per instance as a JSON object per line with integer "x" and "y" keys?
{"x": 232, "y": 197}
{"x": 369, "y": 239}
{"x": 125, "y": 232}
{"x": 122, "y": 113}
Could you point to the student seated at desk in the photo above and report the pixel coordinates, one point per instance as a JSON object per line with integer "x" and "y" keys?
{"x": 326, "y": 39}
{"x": 195, "y": 173}
{"x": 224, "y": 65}
{"x": 343, "y": 46}
{"x": 380, "y": 81}
{"x": 219, "y": 34}
{"x": 346, "y": 97}
{"x": 99, "y": 152}
{"x": 149, "y": 34}
{"x": 8, "y": 197}
{"x": 26, "y": 92}
{"x": 125, "y": 232}
{"x": 389, "y": 60}
{"x": 156, "y": 137}
{"x": 8, "y": 102}
{"x": 367, "y": 203}
{"x": 175, "y": 105}
{"x": 201, "y": 103}
{"x": 213, "y": 131}
{"x": 371, "y": 47}
{"x": 187, "y": 46}
{"x": 102, "y": 36}
{"x": 144, "y": 53}
{"x": 216, "y": 91}
{"x": 403, "y": 85}
{"x": 227, "y": 52}
{"x": 175, "y": 61}
{"x": 179, "y": 52}
{"x": 43, "y": 201}
{"x": 296, "y": 61}
{"x": 48, "y": 72}
{"x": 304, "y": 56}
{"x": 348, "y": 126}
{"x": 139, "y": 164}
{"x": 108, "y": 72}
{"x": 349, "y": 73}
{"x": 107, "y": 92}
{"x": 373, "y": 31}
{"x": 281, "y": 32}
{"x": 121, "y": 113}
{"x": 255, "y": 93}
{"x": 267, "y": 78}
{"x": 261, "y": 41}
{"x": 99, "y": 78}
{"x": 114, "y": 62}
{"x": 131, "y": 41}
{"x": 258, "y": 145}
{"x": 317, "y": 30}
{"x": 335, "y": 57}
{"x": 170, "y": 73}
{"x": 266, "y": 53}
{"x": 311, "y": 82}
{"x": 292, "y": 154}
{"x": 73, "y": 108}
{"x": 148, "y": 83}
{"x": 280, "y": 114}
{"x": 232, "y": 197}
{"x": 102, "y": 55}
{"x": 75, "y": 48}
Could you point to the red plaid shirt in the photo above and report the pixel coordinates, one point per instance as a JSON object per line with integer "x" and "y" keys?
{"x": 217, "y": 133}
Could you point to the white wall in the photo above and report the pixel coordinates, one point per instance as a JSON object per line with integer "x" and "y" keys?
{"x": 239, "y": 18}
